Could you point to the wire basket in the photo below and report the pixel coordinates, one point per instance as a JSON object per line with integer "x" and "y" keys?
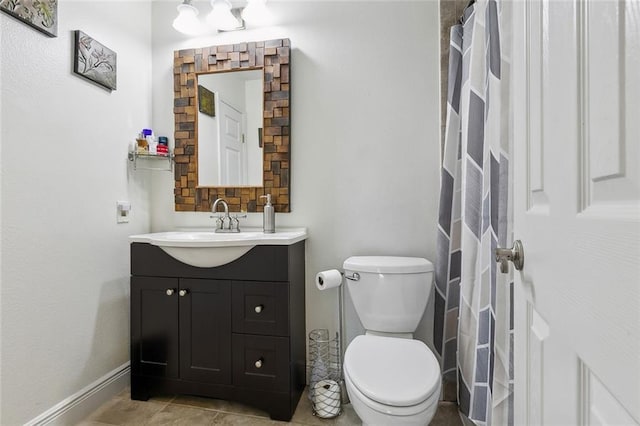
{"x": 326, "y": 373}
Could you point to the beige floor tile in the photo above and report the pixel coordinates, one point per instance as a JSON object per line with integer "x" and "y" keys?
{"x": 192, "y": 410}
{"x": 447, "y": 415}
{"x": 177, "y": 415}
{"x": 126, "y": 394}
{"x": 239, "y": 420}
{"x": 92, "y": 423}
{"x": 121, "y": 411}
{"x": 218, "y": 405}
{"x": 304, "y": 415}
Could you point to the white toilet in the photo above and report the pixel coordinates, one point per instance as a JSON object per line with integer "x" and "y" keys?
{"x": 390, "y": 377}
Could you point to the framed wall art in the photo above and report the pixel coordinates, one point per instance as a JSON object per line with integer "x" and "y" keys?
{"x": 94, "y": 61}
{"x": 205, "y": 101}
{"x": 40, "y": 14}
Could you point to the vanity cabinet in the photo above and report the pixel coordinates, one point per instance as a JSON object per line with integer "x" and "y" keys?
{"x": 234, "y": 332}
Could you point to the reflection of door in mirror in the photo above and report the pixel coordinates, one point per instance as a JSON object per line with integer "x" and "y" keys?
{"x": 232, "y": 157}
{"x": 229, "y": 151}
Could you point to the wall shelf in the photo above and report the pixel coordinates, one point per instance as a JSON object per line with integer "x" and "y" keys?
{"x": 146, "y": 161}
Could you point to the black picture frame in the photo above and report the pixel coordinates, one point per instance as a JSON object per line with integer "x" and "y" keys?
{"x": 94, "y": 61}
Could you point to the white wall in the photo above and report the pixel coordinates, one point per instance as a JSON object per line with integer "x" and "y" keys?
{"x": 253, "y": 91}
{"x": 1, "y": 316}
{"x": 65, "y": 261}
{"x": 365, "y": 130}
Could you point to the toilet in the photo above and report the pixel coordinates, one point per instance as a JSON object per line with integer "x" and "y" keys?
{"x": 390, "y": 377}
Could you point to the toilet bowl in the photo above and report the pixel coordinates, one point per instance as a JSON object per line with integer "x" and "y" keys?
{"x": 392, "y": 380}
{"x": 390, "y": 377}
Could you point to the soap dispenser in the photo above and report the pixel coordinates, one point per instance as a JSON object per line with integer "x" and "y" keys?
{"x": 269, "y": 216}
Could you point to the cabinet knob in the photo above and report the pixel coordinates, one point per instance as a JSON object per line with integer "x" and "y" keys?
{"x": 183, "y": 293}
{"x": 259, "y": 308}
{"x": 258, "y": 363}
{"x": 170, "y": 292}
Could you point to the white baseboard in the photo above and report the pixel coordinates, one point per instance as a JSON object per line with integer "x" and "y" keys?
{"x": 81, "y": 404}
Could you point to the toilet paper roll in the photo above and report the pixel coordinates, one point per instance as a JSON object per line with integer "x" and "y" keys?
{"x": 327, "y": 398}
{"x": 328, "y": 279}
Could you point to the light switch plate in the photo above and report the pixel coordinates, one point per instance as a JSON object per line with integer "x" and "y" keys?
{"x": 123, "y": 209}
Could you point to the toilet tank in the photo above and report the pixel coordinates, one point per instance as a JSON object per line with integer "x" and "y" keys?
{"x": 392, "y": 292}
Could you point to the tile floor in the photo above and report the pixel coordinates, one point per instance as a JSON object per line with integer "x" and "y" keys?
{"x": 190, "y": 410}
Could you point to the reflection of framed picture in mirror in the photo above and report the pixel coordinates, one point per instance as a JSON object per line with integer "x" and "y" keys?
{"x": 205, "y": 101}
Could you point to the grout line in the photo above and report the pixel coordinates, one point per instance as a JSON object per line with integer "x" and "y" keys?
{"x": 218, "y": 410}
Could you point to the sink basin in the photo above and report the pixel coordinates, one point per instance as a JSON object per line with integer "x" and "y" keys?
{"x": 206, "y": 249}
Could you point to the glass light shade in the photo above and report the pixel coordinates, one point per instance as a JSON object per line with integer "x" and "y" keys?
{"x": 221, "y": 17}
{"x": 187, "y": 21}
{"x": 257, "y": 13}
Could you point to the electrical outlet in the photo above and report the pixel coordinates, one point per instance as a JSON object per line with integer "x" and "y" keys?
{"x": 123, "y": 209}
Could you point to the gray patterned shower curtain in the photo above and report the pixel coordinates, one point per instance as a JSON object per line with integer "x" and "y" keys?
{"x": 473, "y": 327}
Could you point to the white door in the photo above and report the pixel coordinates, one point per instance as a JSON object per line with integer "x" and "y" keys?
{"x": 576, "y": 75}
{"x": 231, "y": 147}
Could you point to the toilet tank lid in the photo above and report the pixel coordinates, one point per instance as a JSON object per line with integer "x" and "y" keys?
{"x": 388, "y": 264}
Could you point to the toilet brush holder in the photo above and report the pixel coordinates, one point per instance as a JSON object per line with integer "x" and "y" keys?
{"x": 326, "y": 373}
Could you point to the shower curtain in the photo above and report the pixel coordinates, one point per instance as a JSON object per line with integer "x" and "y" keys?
{"x": 473, "y": 327}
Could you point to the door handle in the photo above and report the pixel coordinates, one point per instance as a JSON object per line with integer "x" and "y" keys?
{"x": 514, "y": 254}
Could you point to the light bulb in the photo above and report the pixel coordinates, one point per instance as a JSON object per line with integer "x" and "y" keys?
{"x": 187, "y": 21}
{"x": 221, "y": 17}
{"x": 257, "y": 13}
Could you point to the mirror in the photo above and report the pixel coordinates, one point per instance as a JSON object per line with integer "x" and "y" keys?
{"x": 230, "y": 129}
{"x": 194, "y": 164}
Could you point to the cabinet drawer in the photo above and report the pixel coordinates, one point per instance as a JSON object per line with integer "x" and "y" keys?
{"x": 260, "y": 308}
{"x": 261, "y": 362}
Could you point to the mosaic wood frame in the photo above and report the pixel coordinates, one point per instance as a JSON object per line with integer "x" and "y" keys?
{"x": 272, "y": 57}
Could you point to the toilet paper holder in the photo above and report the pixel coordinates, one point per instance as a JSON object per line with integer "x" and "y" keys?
{"x": 353, "y": 277}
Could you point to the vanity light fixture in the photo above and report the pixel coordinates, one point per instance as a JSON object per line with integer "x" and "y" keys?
{"x": 257, "y": 13}
{"x": 187, "y": 21}
{"x": 223, "y": 16}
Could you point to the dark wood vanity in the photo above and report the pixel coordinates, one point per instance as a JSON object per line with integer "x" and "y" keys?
{"x": 233, "y": 332}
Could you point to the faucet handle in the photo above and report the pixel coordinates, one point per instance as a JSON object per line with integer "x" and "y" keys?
{"x": 234, "y": 222}
{"x": 219, "y": 221}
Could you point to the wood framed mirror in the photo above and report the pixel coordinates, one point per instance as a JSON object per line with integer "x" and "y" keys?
{"x": 272, "y": 57}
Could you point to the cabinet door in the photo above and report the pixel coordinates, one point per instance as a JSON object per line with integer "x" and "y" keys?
{"x": 154, "y": 326}
{"x": 205, "y": 330}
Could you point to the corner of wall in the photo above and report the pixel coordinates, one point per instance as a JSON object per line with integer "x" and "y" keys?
{"x": 1, "y": 168}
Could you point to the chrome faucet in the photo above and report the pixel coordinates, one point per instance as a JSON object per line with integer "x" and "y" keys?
{"x": 225, "y": 223}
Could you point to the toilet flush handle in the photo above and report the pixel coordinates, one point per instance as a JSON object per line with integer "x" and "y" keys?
{"x": 353, "y": 277}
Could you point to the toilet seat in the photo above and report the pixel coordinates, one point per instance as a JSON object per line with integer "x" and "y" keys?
{"x": 390, "y": 410}
{"x": 392, "y": 372}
